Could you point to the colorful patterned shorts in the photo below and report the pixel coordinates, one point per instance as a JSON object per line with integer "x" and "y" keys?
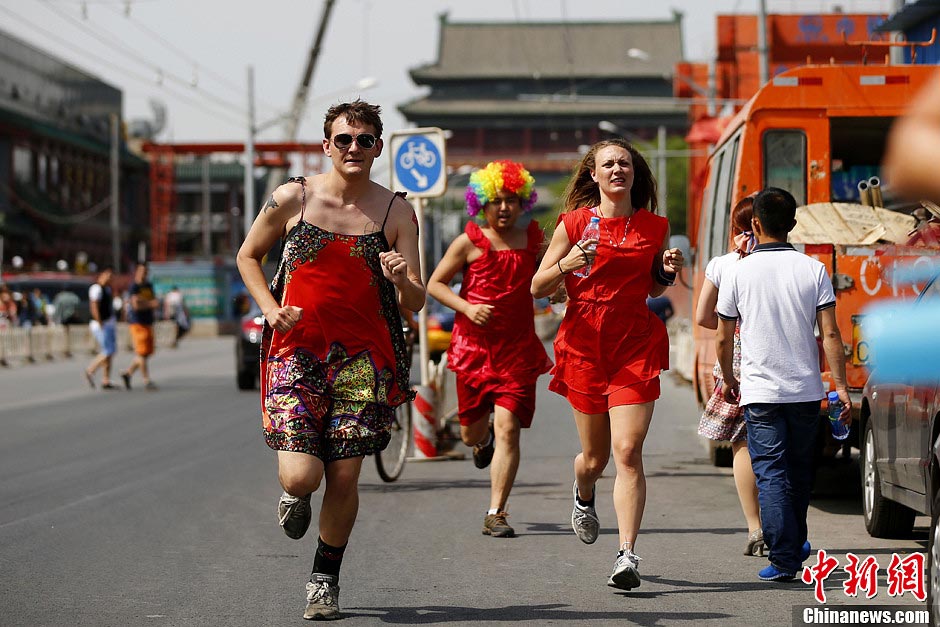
{"x": 330, "y": 429}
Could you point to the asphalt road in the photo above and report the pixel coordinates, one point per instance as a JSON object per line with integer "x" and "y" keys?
{"x": 158, "y": 508}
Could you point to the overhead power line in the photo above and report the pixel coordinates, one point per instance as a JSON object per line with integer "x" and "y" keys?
{"x": 110, "y": 40}
{"x": 236, "y": 88}
{"x": 109, "y": 63}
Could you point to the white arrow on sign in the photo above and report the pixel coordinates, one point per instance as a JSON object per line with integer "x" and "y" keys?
{"x": 420, "y": 178}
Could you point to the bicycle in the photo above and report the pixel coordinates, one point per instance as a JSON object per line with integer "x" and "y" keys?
{"x": 391, "y": 462}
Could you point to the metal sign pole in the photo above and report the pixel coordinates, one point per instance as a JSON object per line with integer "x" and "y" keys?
{"x": 423, "y": 351}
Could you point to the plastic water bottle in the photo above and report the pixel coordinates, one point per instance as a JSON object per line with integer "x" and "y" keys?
{"x": 839, "y": 430}
{"x": 591, "y": 231}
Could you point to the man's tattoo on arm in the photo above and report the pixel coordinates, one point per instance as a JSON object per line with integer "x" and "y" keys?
{"x": 270, "y": 203}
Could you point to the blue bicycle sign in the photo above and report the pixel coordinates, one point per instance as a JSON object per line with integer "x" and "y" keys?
{"x": 418, "y": 153}
{"x": 418, "y": 162}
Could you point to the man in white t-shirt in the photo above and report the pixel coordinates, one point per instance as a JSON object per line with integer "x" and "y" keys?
{"x": 103, "y": 326}
{"x": 779, "y": 295}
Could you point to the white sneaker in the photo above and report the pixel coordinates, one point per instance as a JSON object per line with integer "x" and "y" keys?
{"x": 322, "y": 598}
{"x": 584, "y": 519}
{"x": 293, "y": 514}
{"x": 626, "y": 575}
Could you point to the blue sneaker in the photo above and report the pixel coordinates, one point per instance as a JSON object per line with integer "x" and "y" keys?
{"x": 807, "y": 549}
{"x": 772, "y": 573}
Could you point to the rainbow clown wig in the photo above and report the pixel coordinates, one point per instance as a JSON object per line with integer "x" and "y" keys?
{"x": 498, "y": 176}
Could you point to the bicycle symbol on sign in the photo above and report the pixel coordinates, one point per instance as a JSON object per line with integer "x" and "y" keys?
{"x": 417, "y": 153}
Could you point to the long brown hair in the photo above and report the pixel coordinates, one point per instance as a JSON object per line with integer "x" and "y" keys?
{"x": 741, "y": 215}
{"x": 582, "y": 191}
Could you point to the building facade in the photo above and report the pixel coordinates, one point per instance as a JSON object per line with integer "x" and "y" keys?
{"x": 55, "y": 171}
{"x": 536, "y": 92}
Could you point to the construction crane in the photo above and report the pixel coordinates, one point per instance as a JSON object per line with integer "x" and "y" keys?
{"x": 292, "y": 121}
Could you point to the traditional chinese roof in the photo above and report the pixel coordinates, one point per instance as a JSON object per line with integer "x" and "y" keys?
{"x": 551, "y": 50}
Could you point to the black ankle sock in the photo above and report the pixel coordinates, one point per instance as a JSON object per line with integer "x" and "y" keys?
{"x": 327, "y": 560}
{"x": 587, "y": 503}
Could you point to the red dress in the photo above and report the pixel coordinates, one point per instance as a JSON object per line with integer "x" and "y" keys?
{"x": 609, "y": 338}
{"x": 506, "y": 354}
{"x": 329, "y": 386}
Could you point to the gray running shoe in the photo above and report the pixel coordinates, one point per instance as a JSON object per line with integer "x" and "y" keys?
{"x": 626, "y": 575}
{"x": 322, "y": 598}
{"x": 293, "y": 514}
{"x": 584, "y": 519}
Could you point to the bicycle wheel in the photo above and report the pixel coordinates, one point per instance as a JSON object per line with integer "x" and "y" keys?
{"x": 390, "y": 462}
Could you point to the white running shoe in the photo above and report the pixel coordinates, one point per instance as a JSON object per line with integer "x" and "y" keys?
{"x": 293, "y": 514}
{"x": 626, "y": 574}
{"x": 322, "y": 598}
{"x": 584, "y": 519}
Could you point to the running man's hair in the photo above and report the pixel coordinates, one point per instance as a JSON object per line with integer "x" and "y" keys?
{"x": 776, "y": 210}
{"x": 356, "y": 112}
{"x": 498, "y": 176}
{"x": 582, "y": 191}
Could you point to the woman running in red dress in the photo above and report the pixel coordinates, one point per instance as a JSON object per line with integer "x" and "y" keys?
{"x": 494, "y": 350}
{"x": 610, "y": 347}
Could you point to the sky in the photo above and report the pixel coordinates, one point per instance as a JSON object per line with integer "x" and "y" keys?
{"x": 192, "y": 55}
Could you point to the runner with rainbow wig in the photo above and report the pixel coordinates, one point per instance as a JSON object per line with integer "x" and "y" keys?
{"x": 494, "y": 350}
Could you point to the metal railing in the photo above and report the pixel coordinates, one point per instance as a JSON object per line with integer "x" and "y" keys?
{"x": 46, "y": 343}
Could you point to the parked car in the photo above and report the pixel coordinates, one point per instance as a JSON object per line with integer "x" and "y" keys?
{"x": 900, "y": 454}
{"x": 248, "y": 349}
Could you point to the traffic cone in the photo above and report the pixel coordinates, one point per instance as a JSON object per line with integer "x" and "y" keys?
{"x": 424, "y": 419}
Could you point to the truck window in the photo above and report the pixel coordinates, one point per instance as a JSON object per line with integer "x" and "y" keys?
{"x": 721, "y": 211}
{"x": 785, "y": 162}
{"x": 708, "y": 207}
{"x": 857, "y": 146}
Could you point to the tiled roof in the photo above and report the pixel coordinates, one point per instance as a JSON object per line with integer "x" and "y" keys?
{"x": 554, "y": 50}
{"x": 535, "y": 105}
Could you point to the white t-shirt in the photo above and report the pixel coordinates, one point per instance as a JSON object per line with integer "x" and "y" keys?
{"x": 776, "y": 292}
{"x": 94, "y": 295}
{"x": 716, "y": 267}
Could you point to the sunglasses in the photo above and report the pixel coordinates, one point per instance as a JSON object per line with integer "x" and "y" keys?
{"x": 343, "y": 141}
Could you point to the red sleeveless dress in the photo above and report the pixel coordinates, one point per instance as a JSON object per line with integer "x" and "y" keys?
{"x": 330, "y": 385}
{"x": 500, "y": 361}
{"x": 609, "y": 338}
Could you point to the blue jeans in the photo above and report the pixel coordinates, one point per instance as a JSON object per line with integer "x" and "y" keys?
{"x": 780, "y": 439}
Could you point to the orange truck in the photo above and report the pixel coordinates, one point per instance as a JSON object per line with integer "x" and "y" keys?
{"x": 815, "y": 130}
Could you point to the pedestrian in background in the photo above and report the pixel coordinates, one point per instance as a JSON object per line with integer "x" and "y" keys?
{"x": 8, "y": 316}
{"x": 723, "y": 421}
{"x": 779, "y": 296}
{"x": 140, "y": 317}
{"x": 334, "y": 360}
{"x": 610, "y": 347}
{"x": 174, "y": 308}
{"x": 494, "y": 351}
{"x": 103, "y": 327}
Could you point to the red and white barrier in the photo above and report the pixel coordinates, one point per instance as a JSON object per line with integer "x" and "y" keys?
{"x": 424, "y": 419}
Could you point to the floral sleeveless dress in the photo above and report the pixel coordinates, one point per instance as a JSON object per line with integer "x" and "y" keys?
{"x": 609, "y": 338}
{"x": 330, "y": 385}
